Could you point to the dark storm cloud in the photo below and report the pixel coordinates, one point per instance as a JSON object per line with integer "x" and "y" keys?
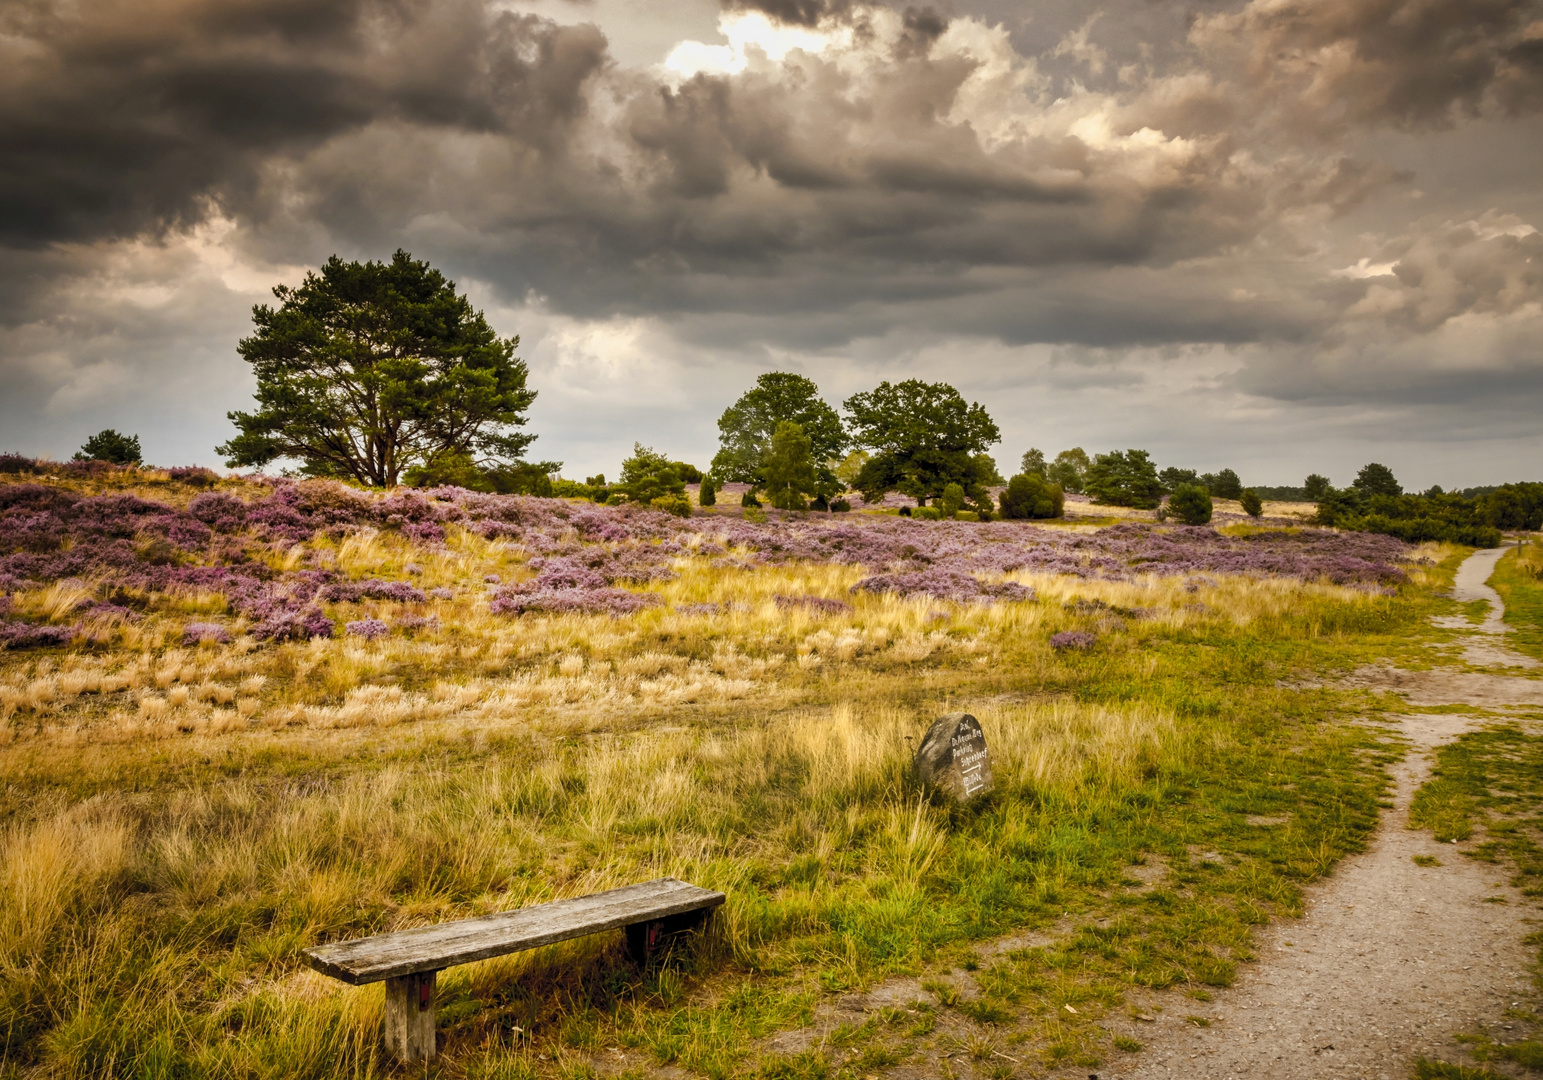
{"x": 1414, "y": 63}
{"x": 117, "y": 119}
{"x": 1109, "y": 179}
{"x": 793, "y": 12}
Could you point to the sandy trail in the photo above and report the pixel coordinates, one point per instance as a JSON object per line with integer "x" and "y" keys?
{"x": 1392, "y": 959}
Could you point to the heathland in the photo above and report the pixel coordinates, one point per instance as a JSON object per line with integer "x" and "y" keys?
{"x": 239, "y": 717}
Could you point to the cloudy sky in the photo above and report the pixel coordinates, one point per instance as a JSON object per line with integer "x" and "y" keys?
{"x": 1278, "y": 235}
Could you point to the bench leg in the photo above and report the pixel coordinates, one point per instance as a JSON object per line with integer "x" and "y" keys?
{"x": 643, "y": 938}
{"x": 410, "y": 1017}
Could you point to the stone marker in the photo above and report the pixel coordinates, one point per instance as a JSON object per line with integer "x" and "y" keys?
{"x": 953, "y": 757}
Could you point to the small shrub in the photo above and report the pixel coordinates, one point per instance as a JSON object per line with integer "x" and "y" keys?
{"x": 1068, "y": 640}
{"x": 1191, "y": 504}
{"x": 966, "y": 515}
{"x": 952, "y": 501}
{"x": 1253, "y": 505}
{"x": 195, "y": 632}
{"x": 840, "y": 506}
{"x": 194, "y": 475}
{"x": 1030, "y": 495}
{"x": 822, "y": 605}
{"x": 749, "y": 501}
{"x": 16, "y": 463}
{"x": 707, "y": 495}
{"x": 369, "y": 629}
{"x": 647, "y": 475}
{"x": 678, "y": 505}
{"x": 905, "y": 511}
{"x": 927, "y": 513}
{"x": 20, "y": 635}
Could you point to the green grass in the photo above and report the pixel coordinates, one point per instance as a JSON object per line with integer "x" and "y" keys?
{"x": 1426, "y": 1069}
{"x": 1517, "y": 579}
{"x": 181, "y": 878}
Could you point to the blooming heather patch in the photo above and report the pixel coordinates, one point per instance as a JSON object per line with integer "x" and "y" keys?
{"x": 1071, "y": 639}
{"x": 195, "y": 632}
{"x": 702, "y": 609}
{"x": 582, "y": 553}
{"x": 351, "y": 592}
{"x": 20, "y": 635}
{"x": 602, "y": 601}
{"x": 822, "y": 605}
{"x": 294, "y": 626}
{"x": 943, "y": 583}
{"x": 409, "y": 621}
{"x": 369, "y": 629}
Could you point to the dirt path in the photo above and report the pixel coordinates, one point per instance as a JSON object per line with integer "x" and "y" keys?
{"x": 1392, "y": 959}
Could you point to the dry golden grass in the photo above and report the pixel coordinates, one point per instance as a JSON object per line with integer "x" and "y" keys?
{"x": 477, "y": 667}
{"x": 190, "y": 817}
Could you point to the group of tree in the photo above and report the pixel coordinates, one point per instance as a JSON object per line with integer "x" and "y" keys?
{"x": 381, "y": 372}
{"x": 1131, "y": 478}
{"x": 913, "y": 437}
{"x": 1376, "y": 502}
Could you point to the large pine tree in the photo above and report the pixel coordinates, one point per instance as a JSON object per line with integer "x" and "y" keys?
{"x": 367, "y": 370}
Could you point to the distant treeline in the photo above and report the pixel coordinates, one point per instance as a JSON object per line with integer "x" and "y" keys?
{"x": 1455, "y": 517}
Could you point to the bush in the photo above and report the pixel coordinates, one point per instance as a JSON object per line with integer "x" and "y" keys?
{"x": 966, "y": 515}
{"x": 108, "y": 445}
{"x": 194, "y": 476}
{"x": 707, "y": 494}
{"x": 520, "y": 479}
{"x": 16, "y": 463}
{"x": 1253, "y": 506}
{"x": 678, "y": 505}
{"x": 1191, "y": 504}
{"x": 1030, "y": 495}
{"x": 1421, "y": 529}
{"x": 1067, "y": 640}
{"x": 749, "y": 501}
{"x": 647, "y": 475}
{"x": 840, "y": 506}
{"x": 572, "y": 489}
{"x": 952, "y": 500}
{"x": 926, "y": 513}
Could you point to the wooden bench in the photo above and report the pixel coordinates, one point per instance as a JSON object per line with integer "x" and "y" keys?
{"x": 408, "y": 960}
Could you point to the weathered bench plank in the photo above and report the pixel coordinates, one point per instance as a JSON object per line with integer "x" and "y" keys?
{"x": 433, "y": 948}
